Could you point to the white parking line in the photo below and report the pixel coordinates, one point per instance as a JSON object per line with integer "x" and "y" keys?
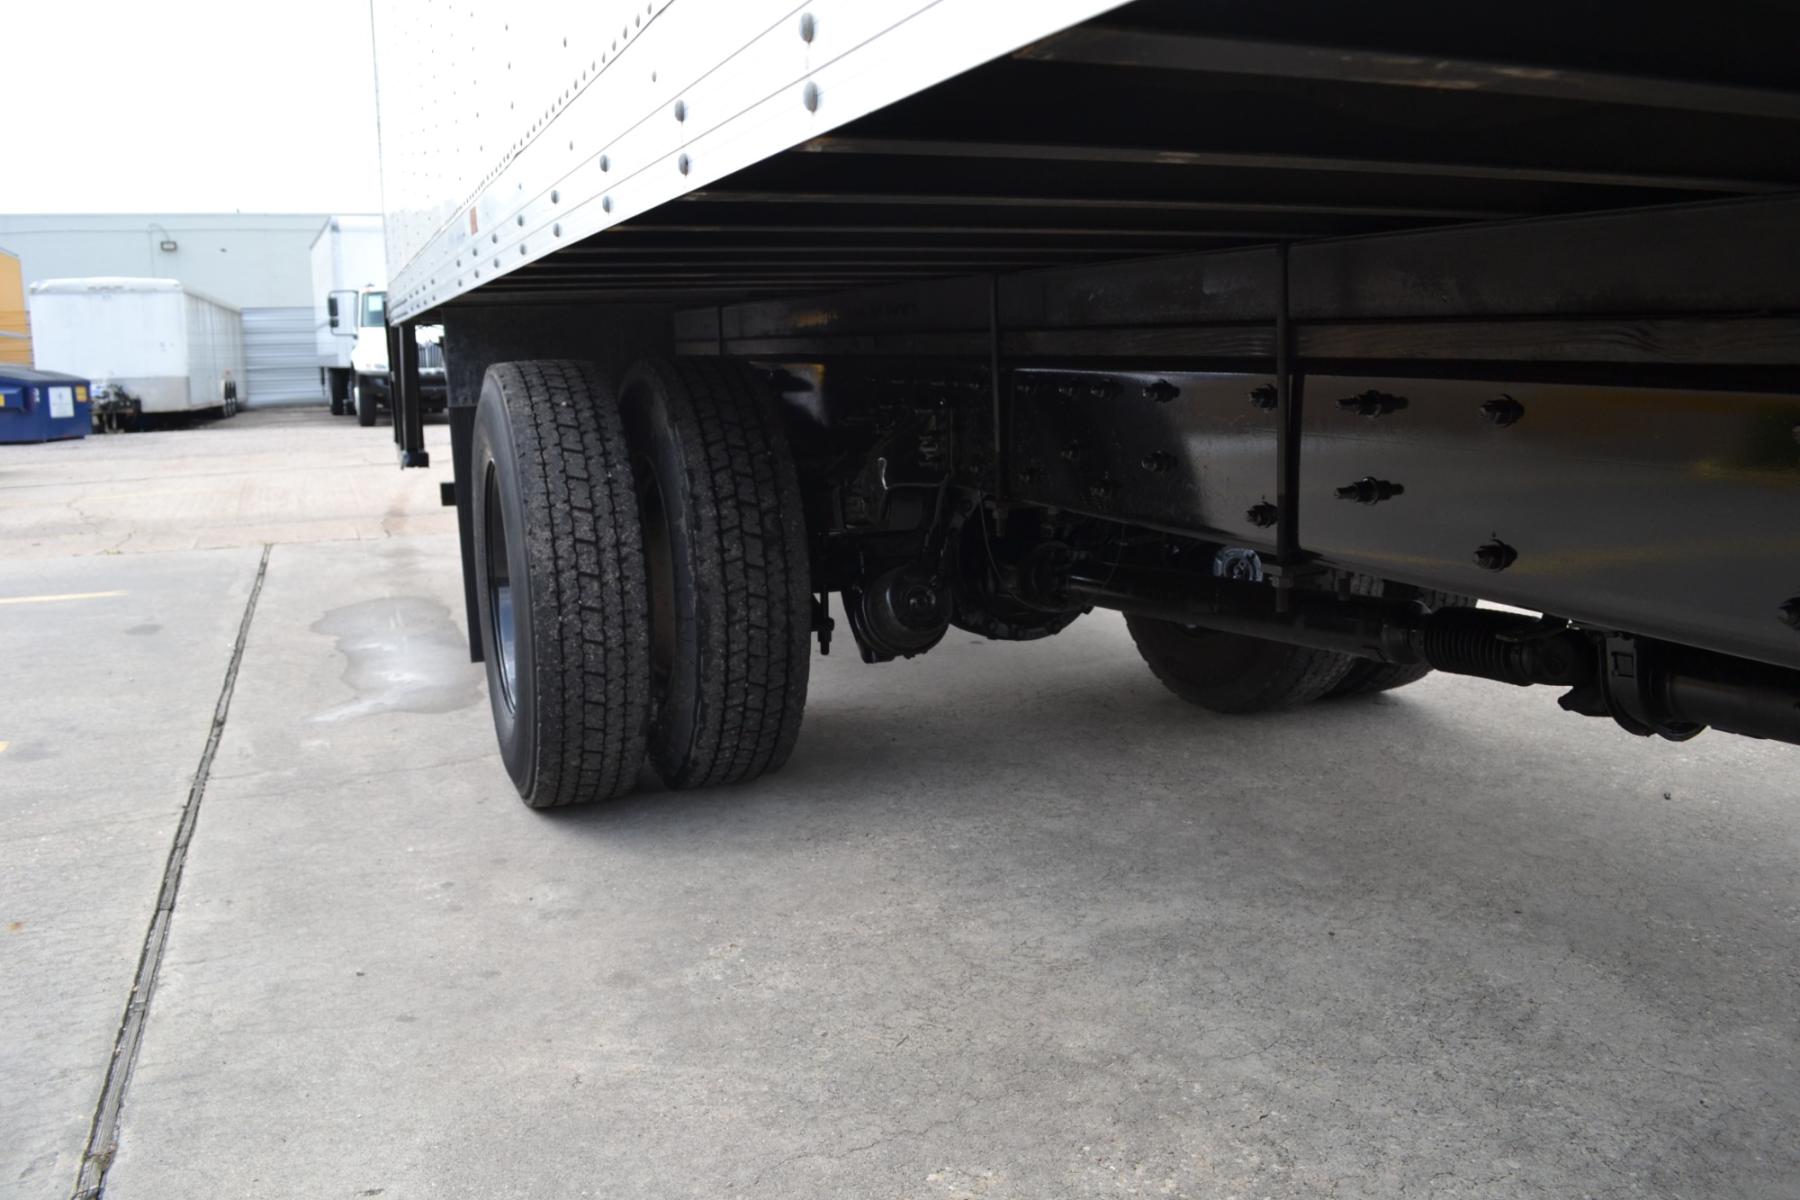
{"x": 57, "y": 599}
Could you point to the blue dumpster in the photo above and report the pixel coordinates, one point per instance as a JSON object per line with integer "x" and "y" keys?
{"x": 41, "y": 406}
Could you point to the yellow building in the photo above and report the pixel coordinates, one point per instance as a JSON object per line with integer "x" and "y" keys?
{"x": 15, "y": 328}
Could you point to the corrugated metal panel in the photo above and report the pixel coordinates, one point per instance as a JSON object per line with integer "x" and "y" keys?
{"x": 279, "y": 358}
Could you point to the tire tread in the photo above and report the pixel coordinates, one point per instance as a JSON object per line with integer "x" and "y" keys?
{"x": 750, "y": 540}
{"x": 587, "y": 587}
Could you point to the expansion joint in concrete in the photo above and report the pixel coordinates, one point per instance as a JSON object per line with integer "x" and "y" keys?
{"x": 103, "y": 1134}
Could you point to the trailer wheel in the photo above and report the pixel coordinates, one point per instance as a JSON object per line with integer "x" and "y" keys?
{"x": 1232, "y": 673}
{"x": 362, "y": 401}
{"x": 1366, "y": 676}
{"x": 725, "y": 544}
{"x": 559, "y": 582}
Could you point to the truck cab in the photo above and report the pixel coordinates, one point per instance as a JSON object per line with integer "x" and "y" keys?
{"x": 371, "y": 376}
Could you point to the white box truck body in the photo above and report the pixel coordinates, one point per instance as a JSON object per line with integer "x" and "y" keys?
{"x": 349, "y": 259}
{"x": 167, "y": 347}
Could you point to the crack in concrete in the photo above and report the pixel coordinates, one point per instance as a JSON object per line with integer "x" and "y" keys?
{"x": 103, "y": 1134}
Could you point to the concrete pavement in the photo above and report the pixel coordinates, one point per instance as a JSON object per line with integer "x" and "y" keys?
{"x": 113, "y": 670}
{"x": 284, "y": 475}
{"x": 1013, "y": 923}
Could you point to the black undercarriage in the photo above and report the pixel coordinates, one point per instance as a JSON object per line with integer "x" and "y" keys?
{"x": 1303, "y": 341}
{"x": 1296, "y": 443}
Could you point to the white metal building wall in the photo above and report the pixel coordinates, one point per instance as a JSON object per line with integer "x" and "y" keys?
{"x": 248, "y": 260}
{"x": 280, "y": 359}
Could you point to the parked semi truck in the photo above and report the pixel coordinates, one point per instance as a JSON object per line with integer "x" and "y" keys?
{"x": 152, "y": 347}
{"x": 1290, "y": 331}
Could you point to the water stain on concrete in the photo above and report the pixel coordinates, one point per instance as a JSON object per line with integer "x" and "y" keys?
{"x": 402, "y": 654}
{"x": 28, "y": 752}
{"x": 143, "y": 630}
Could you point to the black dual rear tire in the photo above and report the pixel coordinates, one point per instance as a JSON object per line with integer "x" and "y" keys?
{"x": 641, "y": 576}
{"x": 560, "y": 589}
{"x": 725, "y": 544}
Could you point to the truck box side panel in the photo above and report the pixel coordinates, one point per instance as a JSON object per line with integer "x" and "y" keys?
{"x": 508, "y": 131}
{"x": 323, "y": 259}
{"x": 791, "y": 167}
{"x": 349, "y": 254}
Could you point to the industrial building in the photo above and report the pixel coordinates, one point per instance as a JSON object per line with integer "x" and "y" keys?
{"x": 256, "y": 262}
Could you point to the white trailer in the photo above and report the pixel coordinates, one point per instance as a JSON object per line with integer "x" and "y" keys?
{"x": 348, "y": 261}
{"x": 163, "y": 347}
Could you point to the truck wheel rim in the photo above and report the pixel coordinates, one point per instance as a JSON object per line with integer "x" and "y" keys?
{"x": 501, "y": 626}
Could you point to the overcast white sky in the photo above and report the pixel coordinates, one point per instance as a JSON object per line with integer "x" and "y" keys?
{"x": 190, "y": 106}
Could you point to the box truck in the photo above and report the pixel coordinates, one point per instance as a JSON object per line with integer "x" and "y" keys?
{"x": 348, "y": 263}
{"x": 371, "y": 372}
{"x": 1289, "y": 331}
{"x": 152, "y": 347}
{"x": 350, "y": 323}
